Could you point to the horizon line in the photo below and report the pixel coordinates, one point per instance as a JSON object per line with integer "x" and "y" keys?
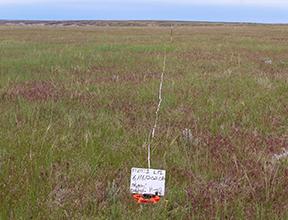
{"x": 142, "y": 20}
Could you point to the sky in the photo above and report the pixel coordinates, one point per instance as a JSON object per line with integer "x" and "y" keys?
{"x": 261, "y": 11}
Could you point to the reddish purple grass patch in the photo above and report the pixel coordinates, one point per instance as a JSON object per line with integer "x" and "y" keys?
{"x": 35, "y": 91}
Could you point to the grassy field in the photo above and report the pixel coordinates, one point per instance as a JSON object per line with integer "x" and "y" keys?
{"x": 77, "y": 105}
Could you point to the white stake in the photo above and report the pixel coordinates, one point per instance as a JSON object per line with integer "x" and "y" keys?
{"x": 152, "y": 134}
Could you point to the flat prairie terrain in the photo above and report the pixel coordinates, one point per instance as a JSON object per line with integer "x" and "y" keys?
{"x": 77, "y": 105}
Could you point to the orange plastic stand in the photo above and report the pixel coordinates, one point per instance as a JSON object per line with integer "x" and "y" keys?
{"x": 145, "y": 199}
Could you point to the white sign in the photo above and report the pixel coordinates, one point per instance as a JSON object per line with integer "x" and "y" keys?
{"x": 147, "y": 181}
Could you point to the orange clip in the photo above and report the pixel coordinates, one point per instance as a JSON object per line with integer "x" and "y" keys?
{"x": 144, "y": 199}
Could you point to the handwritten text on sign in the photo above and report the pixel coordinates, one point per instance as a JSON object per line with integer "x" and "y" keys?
{"x": 147, "y": 181}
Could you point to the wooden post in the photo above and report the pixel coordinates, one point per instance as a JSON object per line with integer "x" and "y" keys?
{"x": 171, "y": 33}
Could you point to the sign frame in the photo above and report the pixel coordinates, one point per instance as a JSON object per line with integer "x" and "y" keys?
{"x": 147, "y": 181}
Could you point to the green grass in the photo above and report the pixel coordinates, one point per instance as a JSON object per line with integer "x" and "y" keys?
{"x": 77, "y": 105}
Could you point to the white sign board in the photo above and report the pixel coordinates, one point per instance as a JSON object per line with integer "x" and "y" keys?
{"x": 147, "y": 181}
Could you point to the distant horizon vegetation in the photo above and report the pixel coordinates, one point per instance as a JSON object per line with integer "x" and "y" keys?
{"x": 142, "y": 20}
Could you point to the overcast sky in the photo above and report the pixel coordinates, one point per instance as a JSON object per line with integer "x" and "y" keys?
{"x": 267, "y": 11}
